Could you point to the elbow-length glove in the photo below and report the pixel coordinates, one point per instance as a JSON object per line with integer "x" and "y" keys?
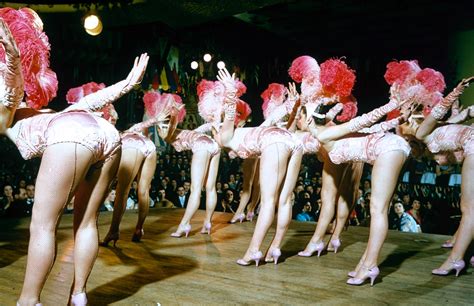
{"x": 367, "y": 120}
{"x": 441, "y": 109}
{"x": 14, "y": 86}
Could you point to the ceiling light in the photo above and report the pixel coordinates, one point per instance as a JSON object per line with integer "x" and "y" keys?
{"x": 93, "y": 24}
{"x": 194, "y": 65}
{"x": 207, "y": 57}
{"x": 221, "y": 65}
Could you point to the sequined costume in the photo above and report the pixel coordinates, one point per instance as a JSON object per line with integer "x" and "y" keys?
{"x": 451, "y": 138}
{"x": 194, "y": 141}
{"x": 34, "y": 134}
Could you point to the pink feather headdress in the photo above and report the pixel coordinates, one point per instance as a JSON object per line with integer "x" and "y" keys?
{"x": 109, "y": 112}
{"x": 77, "y": 93}
{"x": 241, "y": 88}
{"x": 349, "y": 109}
{"x": 275, "y": 90}
{"x": 151, "y": 102}
{"x": 337, "y": 78}
{"x": 243, "y": 110}
{"x": 401, "y": 72}
{"x": 41, "y": 83}
{"x": 304, "y": 67}
{"x": 176, "y": 105}
{"x": 211, "y": 96}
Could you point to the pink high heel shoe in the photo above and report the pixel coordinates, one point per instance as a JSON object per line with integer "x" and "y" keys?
{"x": 79, "y": 299}
{"x": 447, "y": 244}
{"x": 274, "y": 255}
{"x": 182, "y": 231}
{"x": 457, "y": 265}
{"x": 206, "y": 229}
{"x": 239, "y": 217}
{"x": 250, "y": 216}
{"x": 314, "y": 247}
{"x": 257, "y": 256}
{"x": 372, "y": 274}
{"x": 334, "y": 244}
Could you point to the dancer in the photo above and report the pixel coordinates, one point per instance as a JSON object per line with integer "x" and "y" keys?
{"x": 444, "y": 139}
{"x": 277, "y": 150}
{"x": 73, "y": 143}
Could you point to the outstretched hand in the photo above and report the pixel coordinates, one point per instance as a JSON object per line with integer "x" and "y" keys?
{"x": 138, "y": 71}
{"x": 292, "y": 92}
{"x": 7, "y": 40}
{"x": 227, "y": 79}
{"x": 465, "y": 82}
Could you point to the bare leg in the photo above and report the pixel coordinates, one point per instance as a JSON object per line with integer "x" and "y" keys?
{"x": 90, "y": 194}
{"x": 144, "y": 182}
{"x": 211, "y": 193}
{"x": 273, "y": 165}
{"x": 199, "y": 166}
{"x": 285, "y": 206}
{"x": 255, "y": 195}
{"x": 348, "y": 188}
{"x": 331, "y": 177}
{"x": 384, "y": 180}
{"x": 129, "y": 165}
{"x": 249, "y": 167}
{"x": 63, "y": 167}
{"x": 465, "y": 232}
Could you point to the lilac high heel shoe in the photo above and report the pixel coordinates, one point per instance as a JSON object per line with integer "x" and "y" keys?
{"x": 447, "y": 244}
{"x": 372, "y": 274}
{"x": 457, "y": 265}
{"x": 250, "y": 216}
{"x": 274, "y": 255}
{"x": 335, "y": 244}
{"x": 239, "y": 217}
{"x": 314, "y": 247}
{"x": 257, "y": 256}
{"x": 182, "y": 231}
{"x": 206, "y": 229}
{"x": 352, "y": 274}
{"x": 37, "y": 304}
{"x": 79, "y": 299}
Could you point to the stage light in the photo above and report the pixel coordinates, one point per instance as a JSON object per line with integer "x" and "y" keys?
{"x": 194, "y": 65}
{"x": 93, "y": 24}
{"x": 221, "y": 65}
{"x": 207, "y": 57}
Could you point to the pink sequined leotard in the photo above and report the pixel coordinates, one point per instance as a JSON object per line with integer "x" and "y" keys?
{"x": 138, "y": 141}
{"x": 34, "y": 134}
{"x": 256, "y": 139}
{"x": 366, "y": 148}
{"x": 451, "y": 138}
{"x": 194, "y": 141}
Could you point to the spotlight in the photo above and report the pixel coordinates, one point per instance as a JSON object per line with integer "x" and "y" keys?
{"x": 194, "y": 65}
{"x": 207, "y": 57}
{"x": 221, "y": 65}
{"x": 92, "y": 24}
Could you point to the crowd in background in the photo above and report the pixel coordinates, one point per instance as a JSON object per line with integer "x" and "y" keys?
{"x": 426, "y": 200}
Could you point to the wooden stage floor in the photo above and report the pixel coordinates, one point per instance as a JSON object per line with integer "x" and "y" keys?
{"x": 202, "y": 270}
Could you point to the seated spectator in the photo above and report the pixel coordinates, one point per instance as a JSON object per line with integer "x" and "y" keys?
{"x": 109, "y": 202}
{"x": 228, "y": 203}
{"x": 406, "y": 223}
{"x": 181, "y": 200}
{"x": 6, "y": 200}
{"x": 415, "y": 211}
{"x": 162, "y": 201}
{"x": 305, "y": 214}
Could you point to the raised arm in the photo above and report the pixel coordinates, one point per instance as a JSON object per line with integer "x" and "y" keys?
{"x": 441, "y": 109}
{"x": 465, "y": 114}
{"x": 13, "y": 78}
{"x": 229, "y": 105}
{"x": 204, "y": 128}
{"x": 383, "y": 126}
{"x": 101, "y": 98}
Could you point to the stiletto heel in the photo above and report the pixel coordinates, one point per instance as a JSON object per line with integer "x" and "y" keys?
{"x": 335, "y": 243}
{"x": 79, "y": 299}
{"x": 110, "y": 237}
{"x": 250, "y": 216}
{"x": 206, "y": 229}
{"x": 372, "y": 274}
{"x": 274, "y": 255}
{"x": 457, "y": 265}
{"x": 257, "y": 256}
{"x": 314, "y": 247}
{"x": 239, "y": 217}
{"x": 182, "y": 230}
{"x": 137, "y": 236}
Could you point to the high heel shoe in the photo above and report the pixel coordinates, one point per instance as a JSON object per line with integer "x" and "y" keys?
{"x": 457, "y": 265}
{"x": 137, "y": 236}
{"x": 182, "y": 231}
{"x": 447, "y": 244}
{"x": 239, "y": 217}
{"x": 37, "y": 304}
{"x": 79, "y": 299}
{"x": 256, "y": 256}
{"x": 352, "y": 274}
{"x": 314, "y": 247}
{"x": 372, "y": 273}
{"x": 250, "y": 216}
{"x": 206, "y": 229}
{"x": 472, "y": 261}
{"x": 274, "y": 255}
{"x": 334, "y": 245}
{"x": 109, "y": 237}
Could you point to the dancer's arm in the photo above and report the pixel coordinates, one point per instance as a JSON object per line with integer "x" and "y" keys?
{"x": 204, "y": 128}
{"x": 284, "y": 109}
{"x": 101, "y": 98}
{"x": 441, "y": 109}
{"x": 230, "y": 104}
{"x": 334, "y": 132}
{"x": 332, "y": 113}
{"x": 13, "y": 78}
{"x": 465, "y": 114}
{"x": 383, "y": 126}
